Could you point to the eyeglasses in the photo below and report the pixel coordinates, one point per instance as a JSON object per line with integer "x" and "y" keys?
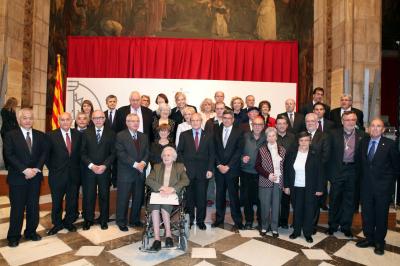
{"x": 98, "y": 118}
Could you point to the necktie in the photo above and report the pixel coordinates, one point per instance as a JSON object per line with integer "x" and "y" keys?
{"x": 225, "y": 140}
{"x": 196, "y": 140}
{"x": 371, "y": 151}
{"x": 29, "y": 141}
{"x": 110, "y": 117}
{"x": 291, "y": 119}
{"x": 319, "y": 125}
{"x": 98, "y": 136}
{"x": 135, "y": 141}
{"x": 134, "y": 136}
{"x": 68, "y": 141}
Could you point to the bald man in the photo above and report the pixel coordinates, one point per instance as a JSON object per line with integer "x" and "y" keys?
{"x": 64, "y": 173}
{"x": 295, "y": 119}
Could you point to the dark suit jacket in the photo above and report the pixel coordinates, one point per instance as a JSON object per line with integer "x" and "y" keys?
{"x": 298, "y": 124}
{"x": 178, "y": 178}
{"x": 102, "y": 153}
{"x": 309, "y": 108}
{"x": 337, "y": 151}
{"x": 245, "y": 127}
{"x": 9, "y": 122}
{"x": 177, "y": 116}
{"x": 321, "y": 144}
{"x": 114, "y": 124}
{"x": 198, "y": 162}
{"x": 328, "y": 126}
{"x": 127, "y": 154}
{"x": 314, "y": 179}
{"x": 337, "y": 119}
{"x": 230, "y": 155}
{"x": 211, "y": 126}
{"x": 383, "y": 169}
{"x": 62, "y": 166}
{"x": 19, "y": 158}
{"x": 147, "y": 115}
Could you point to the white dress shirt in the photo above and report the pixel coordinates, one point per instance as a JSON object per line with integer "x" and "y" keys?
{"x": 181, "y": 128}
{"x": 300, "y": 169}
{"x": 30, "y": 133}
{"x": 65, "y": 136}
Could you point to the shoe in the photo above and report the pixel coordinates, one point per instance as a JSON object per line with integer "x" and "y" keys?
{"x": 156, "y": 246}
{"x": 190, "y": 225}
{"x": 86, "y": 225}
{"x": 330, "y": 231}
{"x": 379, "y": 249}
{"x": 202, "y": 226}
{"x": 364, "y": 243}
{"x": 210, "y": 203}
{"x": 248, "y": 226}
{"x": 284, "y": 226}
{"x": 216, "y": 224}
{"x": 309, "y": 239}
{"x": 275, "y": 234}
{"x": 13, "y": 243}
{"x": 314, "y": 231}
{"x": 169, "y": 243}
{"x": 238, "y": 227}
{"x": 138, "y": 224}
{"x": 324, "y": 208}
{"x": 347, "y": 233}
{"x": 293, "y": 236}
{"x": 263, "y": 232}
{"x": 104, "y": 226}
{"x": 33, "y": 237}
{"x": 54, "y": 230}
{"x": 70, "y": 227}
{"x": 123, "y": 228}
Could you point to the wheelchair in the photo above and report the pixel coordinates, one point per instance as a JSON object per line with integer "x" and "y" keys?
{"x": 180, "y": 223}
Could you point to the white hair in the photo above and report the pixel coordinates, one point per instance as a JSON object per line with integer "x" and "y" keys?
{"x": 171, "y": 149}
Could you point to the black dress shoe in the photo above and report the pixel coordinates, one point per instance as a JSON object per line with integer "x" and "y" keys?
{"x": 293, "y": 236}
{"x": 87, "y": 225}
{"x": 202, "y": 226}
{"x": 284, "y": 226}
{"x": 239, "y": 226}
{"x": 123, "y": 228}
{"x": 13, "y": 243}
{"x": 54, "y": 230}
{"x": 248, "y": 226}
{"x": 33, "y": 237}
{"x": 309, "y": 239}
{"x": 330, "y": 231}
{"x": 347, "y": 233}
{"x": 263, "y": 232}
{"x": 379, "y": 249}
{"x": 169, "y": 243}
{"x": 275, "y": 234}
{"x": 364, "y": 243}
{"x": 216, "y": 224}
{"x": 156, "y": 246}
{"x": 314, "y": 231}
{"x": 104, "y": 226}
{"x": 70, "y": 227}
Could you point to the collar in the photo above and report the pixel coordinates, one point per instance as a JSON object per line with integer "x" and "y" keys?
{"x": 345, "y": 110}
{"x": 101, "y": 129}
{"x": 24, "y": 130}
{"x": 229, "y": 128}
{"x": 376, "y": 139}
{"x": 133, "y": 132}
{"x": 64, "y": 132}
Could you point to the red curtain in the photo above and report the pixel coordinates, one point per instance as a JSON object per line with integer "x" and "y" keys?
{"x": 172, "y": 58}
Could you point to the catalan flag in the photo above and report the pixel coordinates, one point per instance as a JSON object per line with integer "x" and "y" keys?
{"x": 58, "y": 102}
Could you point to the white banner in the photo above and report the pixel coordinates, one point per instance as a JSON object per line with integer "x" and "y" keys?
{"x": 97, "y": 89}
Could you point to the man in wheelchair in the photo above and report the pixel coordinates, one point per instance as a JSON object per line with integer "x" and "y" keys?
{"x": 168, "y": 177}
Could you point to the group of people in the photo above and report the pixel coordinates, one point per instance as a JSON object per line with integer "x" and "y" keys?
{"x": 261, "y": 161}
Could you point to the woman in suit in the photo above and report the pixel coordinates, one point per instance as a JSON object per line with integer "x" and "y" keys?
{"x": 269, "y": 166}
{"x": 9, "y": 118}
{"x": 163, "y": 113}
{"x": 158, "y": 146}
{"x": 167, "y": 178}
{"x": 304, "y": 183}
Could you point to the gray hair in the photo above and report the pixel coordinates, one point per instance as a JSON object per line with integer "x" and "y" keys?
{"x": 169, "y": 148}
{"x": 271, "y": 129}
{"x": 163, "y": 106}
{"x": 312, "y": 114}
{"x": 346, "y": 96}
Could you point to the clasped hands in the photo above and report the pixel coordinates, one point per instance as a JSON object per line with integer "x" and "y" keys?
{"x": 98, "y": 169}
{"x": 287, "y": 192}
{"x": 30, "y": 172}
{"x": 166, "y": 191}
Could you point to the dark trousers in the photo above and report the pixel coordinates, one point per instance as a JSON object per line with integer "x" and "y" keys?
{"x": 374, "y": 213}
{"x": 91, "y": 184}
{"x": 124, "y": 192}
{"x": 58, "y": 190}
{"x": 321, "y": 201}
{"x": 24, "y": 198}
{"x": 249, "y": 195}
{"x": 285, "y": 209}
{"x": 197, "y": 198}
{"x": 228, "y": 182}
{"x": 114, "y": 173}
{"x": 341, "y": 207}
{"x": 304, "y": 207}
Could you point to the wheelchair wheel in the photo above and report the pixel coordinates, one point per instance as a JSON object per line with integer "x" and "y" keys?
{"x": 183, "y": 243}
{"x": 186, "y": 226}
{"x": 145, "y": 243}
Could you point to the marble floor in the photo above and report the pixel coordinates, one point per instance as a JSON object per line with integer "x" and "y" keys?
{"x": 214, "y": 246}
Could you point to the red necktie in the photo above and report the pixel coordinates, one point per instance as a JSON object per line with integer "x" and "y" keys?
{"x": 320, "y": 125}
{"x": 68, "y": 141}
{"x": 196, "y": 140}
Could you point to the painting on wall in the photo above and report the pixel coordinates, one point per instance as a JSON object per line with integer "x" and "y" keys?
{"x": 219, "y": 19}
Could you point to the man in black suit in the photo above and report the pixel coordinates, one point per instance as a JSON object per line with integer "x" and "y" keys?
{"x": 252, "y": 113}
{"x": 318, "y": 97}
{"x": 296, "y": 120}
{"x": 342, "y": 173}
{"x": 380, "y": 159}
{"x": 196, "y": 151}
{"x": 177, "y": 112}
{"x": 215, "y": 122}
{"x": 324, "y": 125}
{"x": 250, "y": 102}
{"x": 228, "y": 149}
{"x": 64, "y": 173}
{"x": 144, "y": 113}
{"x": 26, "y": 150}
{"x": 98, "y": 152}
{"x": 346, "y": 104}
{"x": 133, "y": 154}
{"x": 111, "y": 121}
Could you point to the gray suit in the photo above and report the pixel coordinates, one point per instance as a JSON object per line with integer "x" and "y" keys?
{"x": 130, "y": 180}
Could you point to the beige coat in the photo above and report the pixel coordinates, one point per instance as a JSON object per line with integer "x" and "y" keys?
{"x": 177, "y": 180}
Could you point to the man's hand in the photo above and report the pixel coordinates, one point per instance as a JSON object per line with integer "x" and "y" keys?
{"x": 246, "y": 159}
{"x": 209, "y": 174}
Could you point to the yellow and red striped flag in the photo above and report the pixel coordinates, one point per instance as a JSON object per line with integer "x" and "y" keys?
{"x": 58, "y": 102}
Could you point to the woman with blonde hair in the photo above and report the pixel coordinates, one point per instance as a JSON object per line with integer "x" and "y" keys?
{"x": 207, "y": 108}
{"x": 237, "y": 105}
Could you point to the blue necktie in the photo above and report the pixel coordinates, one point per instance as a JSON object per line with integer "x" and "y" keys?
{"x": 371, "y": 151}
{"x": 98, "y": 136}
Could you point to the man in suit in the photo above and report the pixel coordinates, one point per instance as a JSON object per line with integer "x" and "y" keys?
{"x": 321, "y": 144}
{"x": 318, "y": 97}
{"x": 252, "y": 113}
{"x": 219, "y": 97}
{"x": 215, "y": 122}
{"x": 98, "y": 152}
{"x": 342, "y": 172}
{"x": 324, "y": 125}
{"x": 380, "y": 159}
{"x": 26, "y": 150}
{"x": 144, "y": 113}
{"x": 250, "y": 102}
{"x": 64, "y": 173}
{"x": 228, "y": 148}
{"x": 145, "y": 101}
{"x": 296, "y": 120}
{"x": 196, "y": 151}
{"x": 346, "y": 104}
{"x": 111, "y": 121}
{"x": 81, "y": 121}
{"x": 133, "y": 154}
